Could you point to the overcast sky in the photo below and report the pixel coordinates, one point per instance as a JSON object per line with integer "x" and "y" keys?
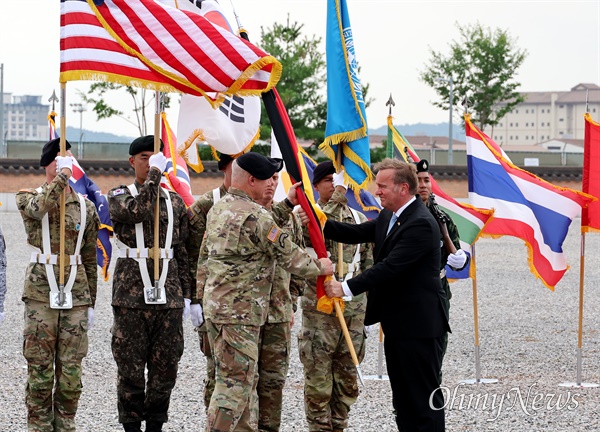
{"x": 392, "y": 37}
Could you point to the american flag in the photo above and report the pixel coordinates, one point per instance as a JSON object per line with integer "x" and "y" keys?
{"x": 148, "y": 44}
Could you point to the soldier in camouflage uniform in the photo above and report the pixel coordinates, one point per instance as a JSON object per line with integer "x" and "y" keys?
{"x": 2, "y": 274}
{"x": 147, "y": 330}
{"x": 330, "y": 377}
{"x": 55, "y": 341}
{"x": 458, "y": 260}
{"x": 243, "y": 244}
{"x": 197, "y": 215}
{"x": 275, "y": 346}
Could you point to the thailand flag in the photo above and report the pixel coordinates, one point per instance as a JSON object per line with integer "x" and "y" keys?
{"x": 525, "y": 206}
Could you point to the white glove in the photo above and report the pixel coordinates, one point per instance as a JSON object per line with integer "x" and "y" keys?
{"x": 458, "y": 259}
{"x": 64, "y": 162}
{"x": 338, "y": 179}
{"x": 1, "y": 317}
{"x": 186, "y": 308}
{"x": 159, "y": 161}
{"x": 370, "y": 328}
{"x": 90, "y": 318}
{"x": 196, "y": 314}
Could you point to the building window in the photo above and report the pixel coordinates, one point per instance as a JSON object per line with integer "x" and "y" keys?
{"x": 532, "y": 110}
{"x": 516, "y": 124}
{"x": 517, "y": 111}
{"x": 527, "y": 137}
{"x": 516, "y": 137}
{"x": 501, "y": 123}
{"x": 511, "y": 125}
{"x": 511, "y": 137}
{"x": 542, "y": 110}
{"x": 532, "y": 124}
{"x": 593, "y": 109}
{"x": 561, "y": 106}
{"x": 561, "y": 132}
{"x": 548, "y": 124}
{"x": 560, "y": 119}
{"x": 526, "y": 111}
{"x": 526, "y": 124}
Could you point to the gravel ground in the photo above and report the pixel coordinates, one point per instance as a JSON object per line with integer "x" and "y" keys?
{"x": 528, "y": 340}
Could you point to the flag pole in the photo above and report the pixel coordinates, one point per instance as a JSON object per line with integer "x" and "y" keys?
{"x": 477, "y": 379}
{"x": 390, "y": 138}
{"x": 578, "y": 382}
{"x": 62, "y": 227}
{"x": 156, "y": 249}
{"x": 336, "y": 301}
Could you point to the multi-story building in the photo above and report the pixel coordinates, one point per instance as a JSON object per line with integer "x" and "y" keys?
{"x": 545, "y": 116}
{"x": 25, "y": 118}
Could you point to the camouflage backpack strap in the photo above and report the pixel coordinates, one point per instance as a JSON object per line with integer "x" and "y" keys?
{"x": 46, "y": 257}
{"x": 142, "y": 253}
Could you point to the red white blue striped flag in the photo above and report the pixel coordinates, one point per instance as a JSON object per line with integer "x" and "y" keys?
{"x": 524, "y": 205}
{"x": 148, "y": 44}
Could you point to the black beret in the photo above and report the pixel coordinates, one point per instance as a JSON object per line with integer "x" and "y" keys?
{"x": 145, "y": 143}
{"x": 422, "y": 166}
{"x": 259, "y": 166}
{"x": 224, "y": 160}
{"x": 322, "y": 170}
{"x": 50, "y": 150}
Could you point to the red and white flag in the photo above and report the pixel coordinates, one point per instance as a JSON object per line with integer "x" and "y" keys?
{"x": 590, "y": 216}
{"x": 231, "y": 128}
{"x": 148, "y": 44}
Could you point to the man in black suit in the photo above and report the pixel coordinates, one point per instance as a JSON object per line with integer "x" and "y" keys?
{"x": 404, "y": 293}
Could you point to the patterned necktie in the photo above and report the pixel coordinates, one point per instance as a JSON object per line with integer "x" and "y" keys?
{"x": 392, "y": 222}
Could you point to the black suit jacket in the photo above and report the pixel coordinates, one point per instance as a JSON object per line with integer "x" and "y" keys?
{"x": 404, "y": 289}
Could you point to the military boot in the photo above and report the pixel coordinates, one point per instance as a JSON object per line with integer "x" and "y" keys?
{"x": 153, "y": 426}
{"x": 132, "y": 427}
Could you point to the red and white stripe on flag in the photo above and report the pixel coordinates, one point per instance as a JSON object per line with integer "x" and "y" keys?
{"x": 149, "y": 44}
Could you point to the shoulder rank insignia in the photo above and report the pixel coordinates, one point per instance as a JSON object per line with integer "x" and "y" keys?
{"x": 274, "y": 234}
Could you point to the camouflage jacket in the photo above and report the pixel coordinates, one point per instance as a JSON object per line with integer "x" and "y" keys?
{"x": 243, "y": 244}
{"x": 338, "y": 204}
{"x": 33, "y": 206}
{"x": 286, "y": 287}
{"x": 127, "y": 210}
{"x": 197, "y": 214}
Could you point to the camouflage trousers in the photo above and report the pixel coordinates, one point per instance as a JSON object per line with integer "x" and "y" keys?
{"x": 146, "y": 339}
{"x": 273, "y": 363}
{"x": 209, "y": 381}
{"x": 330, "y": 377}
{"x": 55, "y": 342}
{"x": 234, "y": 403}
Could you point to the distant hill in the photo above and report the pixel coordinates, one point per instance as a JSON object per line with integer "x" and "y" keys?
{"x": 91, "y": 136}
{"x": 426, "y": 129}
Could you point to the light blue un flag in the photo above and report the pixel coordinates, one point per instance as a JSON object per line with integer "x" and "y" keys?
{"x": 346, "y": 119}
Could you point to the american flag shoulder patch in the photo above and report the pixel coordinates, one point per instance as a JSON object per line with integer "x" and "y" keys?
{"x": 274, "y": 234}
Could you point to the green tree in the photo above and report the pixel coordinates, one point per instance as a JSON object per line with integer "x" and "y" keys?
{"x": 302, "y": 83}
{"x": 100, "y": 92}
{"x": 482, "y": 65}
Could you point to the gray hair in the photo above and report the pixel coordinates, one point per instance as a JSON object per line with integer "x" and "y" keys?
{"x": 403, "y": 172}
